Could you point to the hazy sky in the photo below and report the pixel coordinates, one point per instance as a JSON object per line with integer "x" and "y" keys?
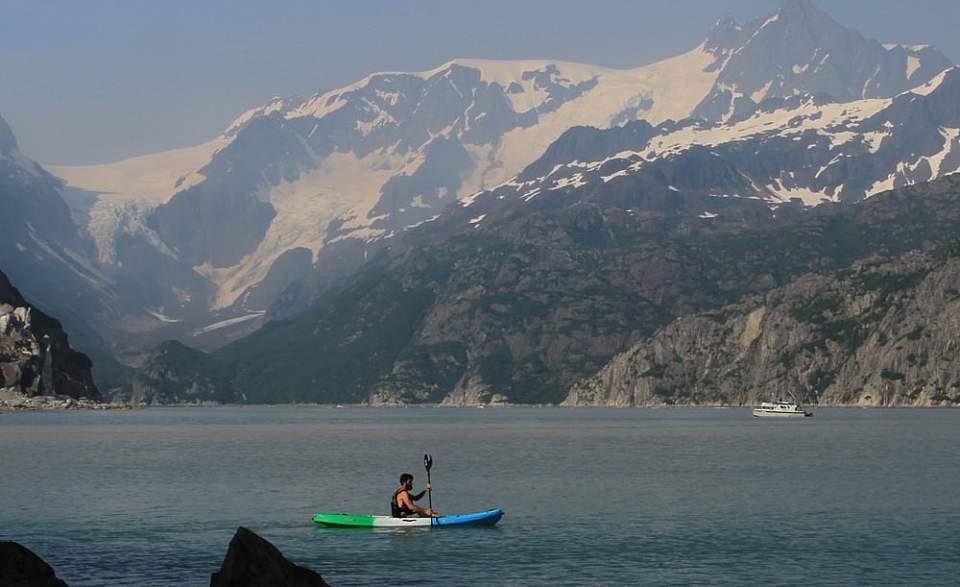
{"x": 98, "y": 80}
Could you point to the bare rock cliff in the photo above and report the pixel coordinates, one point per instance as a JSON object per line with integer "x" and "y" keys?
{"x": 882, "y": 333}
{"x": 35, "y": 355}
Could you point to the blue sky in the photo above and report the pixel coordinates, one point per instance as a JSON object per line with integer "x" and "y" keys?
{"x": 100, "y": 80}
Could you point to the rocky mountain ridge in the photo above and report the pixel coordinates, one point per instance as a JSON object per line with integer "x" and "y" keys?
{"x": 519, "y": 309}
{"x": 174, "y": 373}
{"x": 802, "y": 151}
{"x": 880, "y": 333}
{"x": 800, "y": 49}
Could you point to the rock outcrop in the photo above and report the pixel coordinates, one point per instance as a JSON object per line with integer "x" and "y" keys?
{"x": 20, "y": 567}
{"x": 252, "y": 561}
{"x": 175, "y": 374}
{"x": 35, "y": 356}
{"x": 881, "y": 333}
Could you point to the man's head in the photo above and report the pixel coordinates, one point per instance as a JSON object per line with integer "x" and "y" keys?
{"x": 406, "y": 480}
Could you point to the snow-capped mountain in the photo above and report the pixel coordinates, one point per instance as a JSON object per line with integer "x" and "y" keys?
{"x": 798, "y": 151}
{"x": 211, "y": 235}
{"x": 800, "y": 49}
{"x": 362, "y": 161}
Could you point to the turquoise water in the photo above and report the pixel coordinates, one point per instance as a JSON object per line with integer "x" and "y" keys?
{"x": 593, "y": 496}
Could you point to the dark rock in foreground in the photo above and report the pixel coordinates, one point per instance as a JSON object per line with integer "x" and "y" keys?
{"x": 21, "y": 567}
{"x": 253, "y": 561}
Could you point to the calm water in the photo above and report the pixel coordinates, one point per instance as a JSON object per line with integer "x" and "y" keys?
{"x": 593, "y": 496}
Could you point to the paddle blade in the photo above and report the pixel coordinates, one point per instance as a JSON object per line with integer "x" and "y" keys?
{"x": 427, "y": 462}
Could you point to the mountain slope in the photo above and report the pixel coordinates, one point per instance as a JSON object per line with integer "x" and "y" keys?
{"x": 880, "y": 333}
{"x": 39, "y": 245}
{"x": 800, "y": 150}
{"x": 373, "y": 157}
{"x": 306, "y": 189}
{"x": 176, "y": 374}
{"x": 50, "y": 260}
{"x": 521, "y": 309}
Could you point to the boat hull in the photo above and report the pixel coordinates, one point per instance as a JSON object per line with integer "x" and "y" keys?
{"x": 484, "y": 518}
{"x": 765, "y": 414}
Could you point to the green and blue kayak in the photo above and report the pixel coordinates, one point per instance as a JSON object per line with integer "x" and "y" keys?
{"x": 484, "y": 518}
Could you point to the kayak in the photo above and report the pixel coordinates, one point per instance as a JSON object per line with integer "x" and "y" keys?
{"x": 484, "y": 518}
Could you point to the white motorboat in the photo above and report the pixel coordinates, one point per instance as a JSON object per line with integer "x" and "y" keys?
{"x": 780, "y": 409}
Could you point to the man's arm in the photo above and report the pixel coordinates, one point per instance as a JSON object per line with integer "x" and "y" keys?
{"x": 406, "y": 502}
{"x": 422, "y": 493}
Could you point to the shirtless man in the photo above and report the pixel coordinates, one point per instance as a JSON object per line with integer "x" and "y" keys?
{"x": 402, "y": 506}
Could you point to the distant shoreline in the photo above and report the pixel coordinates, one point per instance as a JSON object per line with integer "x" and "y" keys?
{"x": 62, "y": 404}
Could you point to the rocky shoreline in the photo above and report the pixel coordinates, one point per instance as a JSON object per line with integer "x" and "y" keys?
{"x": 14, "y": 401}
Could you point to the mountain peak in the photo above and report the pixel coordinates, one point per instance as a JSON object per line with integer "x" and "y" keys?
{"x": 809, "y": 16}
{"x": 726, "y": 34}
{"x": 800, "y": 49}
{"x": 799, "y": 7}
{"x": 8, "y": 142}
{"x": 724, "y": 24}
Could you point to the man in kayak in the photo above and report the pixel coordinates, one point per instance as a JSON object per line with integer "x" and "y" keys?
{"x": 402, "y": 506}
